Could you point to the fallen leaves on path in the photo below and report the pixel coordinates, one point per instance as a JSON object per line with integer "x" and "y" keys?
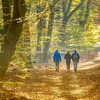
{"x": 46, "y": 84}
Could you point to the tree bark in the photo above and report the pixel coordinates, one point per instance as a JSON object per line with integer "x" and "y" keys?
{"x": 49, "y": 34}
{"x": 67, "y": 14}
{"x": 84, "y": 14}
{"x": 12, "y": 35}
{"x": 6, "y": 5}
{"x": 41, "y": 24}
{"x": 27, "y": 38}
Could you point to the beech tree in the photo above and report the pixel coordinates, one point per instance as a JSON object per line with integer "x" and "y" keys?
{"x": 68, "y": 11}
{"x": 12, "y": 35}
{"x": 49, "y": 32}
{"x": 40, "y": 26}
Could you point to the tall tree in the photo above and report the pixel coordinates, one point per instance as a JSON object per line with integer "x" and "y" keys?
{"x": 67, "y": 14}
{"x": 49, "y": 33}
{"x": 12, "y": 35}
{"x": 40, "y": 26}
{"x": 27, "y": 36}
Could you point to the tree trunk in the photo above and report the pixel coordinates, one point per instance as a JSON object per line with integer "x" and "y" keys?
{"x": 12, "y": 35}
{"x": 49, "y": 34}
{"x": 38, "y": 47}
{"x": 41, "y": 24}
{"x": 6, "y": 5}
{"x": 27, "y": 41}
{"x": 66, "y": 11}
{"x": 67, "y": 14}
{"x": 27, "y": 38}
{"x": 84, "y": 14}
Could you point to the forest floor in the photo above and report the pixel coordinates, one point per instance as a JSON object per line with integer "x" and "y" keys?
{"x": 46, "y": 84}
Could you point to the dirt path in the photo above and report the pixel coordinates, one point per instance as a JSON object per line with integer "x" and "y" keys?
{"x": 46, "y": 84}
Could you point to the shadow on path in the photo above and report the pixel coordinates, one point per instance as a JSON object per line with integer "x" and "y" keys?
{"x": 46, "y": 84}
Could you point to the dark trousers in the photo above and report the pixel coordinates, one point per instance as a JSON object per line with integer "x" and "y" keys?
{"x": 57, "y": 65}
{"x": 68, "y": 65}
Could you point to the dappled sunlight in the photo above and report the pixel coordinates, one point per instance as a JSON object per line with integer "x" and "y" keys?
{"x": 47, "y": 84}
{"x": 88, "y": 63}
{"x": 26, "y": 95}
{"x": 86, "y": 67}
{"x": 77, "y": 92}
{"x": 34, "y": 95}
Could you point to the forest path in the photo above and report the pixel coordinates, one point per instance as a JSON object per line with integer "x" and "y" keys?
{"x": 47, "y": 84}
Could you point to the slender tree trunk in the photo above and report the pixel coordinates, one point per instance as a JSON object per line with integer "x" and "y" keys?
{"x": 27, "y": 41}
{"x": 27, "y": 38}
{"x": 12, "y": 35}
{"x": 38, "y": 48}
{"x": 40, "y": 26}
{"x": 49, "y": 34}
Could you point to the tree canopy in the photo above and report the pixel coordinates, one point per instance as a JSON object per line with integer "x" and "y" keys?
{"x": 48, "y": 25}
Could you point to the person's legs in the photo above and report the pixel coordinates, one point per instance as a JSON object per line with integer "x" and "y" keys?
{"x": 75, "y": 66}
{"x": 68, "y": 66}
{"x": 57, "y": 65}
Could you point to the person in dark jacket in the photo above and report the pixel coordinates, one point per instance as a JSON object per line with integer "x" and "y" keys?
{"x": 75, "y": 58}
{"x": 57, "y": 59}
{"x": 68, "y": 57}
